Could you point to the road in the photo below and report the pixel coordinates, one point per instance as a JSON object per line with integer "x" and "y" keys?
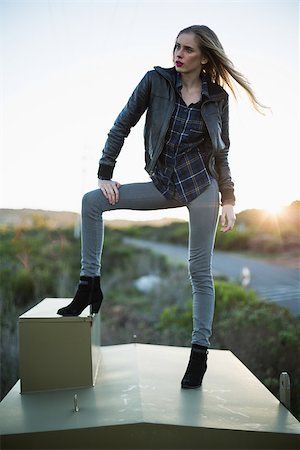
{"x": 275, "y": 283}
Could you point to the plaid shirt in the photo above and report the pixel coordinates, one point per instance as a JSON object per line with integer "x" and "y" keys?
{"x": 180, "y": 171}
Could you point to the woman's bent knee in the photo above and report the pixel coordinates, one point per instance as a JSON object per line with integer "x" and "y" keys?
{"x": 91, "y": 201}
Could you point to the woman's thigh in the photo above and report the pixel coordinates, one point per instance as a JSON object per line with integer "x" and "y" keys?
{"x": 135, "y": 196}
{"x": 203, "y": 212}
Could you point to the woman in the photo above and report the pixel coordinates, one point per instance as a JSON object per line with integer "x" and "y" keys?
{"x": 186, "y": 149}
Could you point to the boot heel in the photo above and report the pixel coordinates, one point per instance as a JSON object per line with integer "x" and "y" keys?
{"x": 94, "y": 307}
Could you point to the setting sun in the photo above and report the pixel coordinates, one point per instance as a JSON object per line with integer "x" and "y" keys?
{"x": 275, "y": 209}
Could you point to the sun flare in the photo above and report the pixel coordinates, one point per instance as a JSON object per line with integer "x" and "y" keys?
{"x": 274, "y": 209}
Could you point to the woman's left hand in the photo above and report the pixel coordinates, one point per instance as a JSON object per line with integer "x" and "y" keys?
{"x": 227, "y": 218}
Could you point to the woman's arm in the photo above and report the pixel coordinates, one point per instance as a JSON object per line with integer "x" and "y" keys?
{"x": 129, "y": 116}
{"x": 226, "y": 185}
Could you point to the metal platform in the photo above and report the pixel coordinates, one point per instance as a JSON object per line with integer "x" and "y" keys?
{"x": 133, "y": 399}
{"x": 137, "y": 403}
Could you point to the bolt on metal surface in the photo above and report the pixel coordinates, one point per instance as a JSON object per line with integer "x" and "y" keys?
{"x": 76, "y": 408}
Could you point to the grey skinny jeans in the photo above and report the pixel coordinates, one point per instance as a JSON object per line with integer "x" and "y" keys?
{"x": 203, "y": 216}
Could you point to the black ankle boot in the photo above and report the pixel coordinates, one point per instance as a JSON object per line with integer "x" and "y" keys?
{"x": 88, "y": 293}
{"x": 196, "y": 368}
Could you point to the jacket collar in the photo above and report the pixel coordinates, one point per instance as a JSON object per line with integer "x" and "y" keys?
{"x": 211, "y": 90}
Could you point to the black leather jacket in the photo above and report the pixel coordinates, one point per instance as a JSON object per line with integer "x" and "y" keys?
{"x": 156, "y": 94}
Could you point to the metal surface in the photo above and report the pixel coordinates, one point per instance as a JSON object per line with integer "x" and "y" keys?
{"x": 137, "y": 402}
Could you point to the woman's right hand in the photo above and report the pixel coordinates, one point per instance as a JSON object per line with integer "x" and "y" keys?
{"x": 110, "y": 190}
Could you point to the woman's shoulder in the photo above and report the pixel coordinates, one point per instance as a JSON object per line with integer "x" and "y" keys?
{"x": 215, "y": 90}
{"x": 161, "y": 73}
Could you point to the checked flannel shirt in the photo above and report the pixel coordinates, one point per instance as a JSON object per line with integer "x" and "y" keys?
{"x": 180, "y": 171}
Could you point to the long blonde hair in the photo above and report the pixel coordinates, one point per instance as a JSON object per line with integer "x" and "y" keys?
{"x": 219, "y": 68}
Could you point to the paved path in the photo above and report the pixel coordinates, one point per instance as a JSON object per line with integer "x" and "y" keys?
{"x": 278, "y": 284}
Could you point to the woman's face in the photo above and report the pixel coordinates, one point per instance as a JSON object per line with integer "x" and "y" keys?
{"x": 187, "y": 56}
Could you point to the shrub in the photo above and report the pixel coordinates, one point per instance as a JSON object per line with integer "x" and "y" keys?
{"x": 23, "y": 288}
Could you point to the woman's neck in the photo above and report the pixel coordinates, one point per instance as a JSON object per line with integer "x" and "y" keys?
{"x": 190, "y": 81}
{"x": 191, "y": 88}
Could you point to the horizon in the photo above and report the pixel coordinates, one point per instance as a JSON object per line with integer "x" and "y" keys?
{"x": 279, "y": 212}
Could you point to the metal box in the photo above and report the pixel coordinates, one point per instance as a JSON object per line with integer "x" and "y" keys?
{"x": 57, "y": 352}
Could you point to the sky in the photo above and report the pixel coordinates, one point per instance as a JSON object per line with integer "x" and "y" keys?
{"x": 68, "y": 68}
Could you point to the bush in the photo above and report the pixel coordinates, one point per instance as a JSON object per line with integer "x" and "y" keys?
{"x": 23, "y": 288}
{"x": 233, "y": 241}
{"x": 266, "y": 338}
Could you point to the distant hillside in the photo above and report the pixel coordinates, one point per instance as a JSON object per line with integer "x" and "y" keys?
{"x": 64, "y": 219}
{"x": 38, "y": 217}
{"x": 288, "y": 220}
{"x": 119, "y": 223}
{"x": 290, "y": 214}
